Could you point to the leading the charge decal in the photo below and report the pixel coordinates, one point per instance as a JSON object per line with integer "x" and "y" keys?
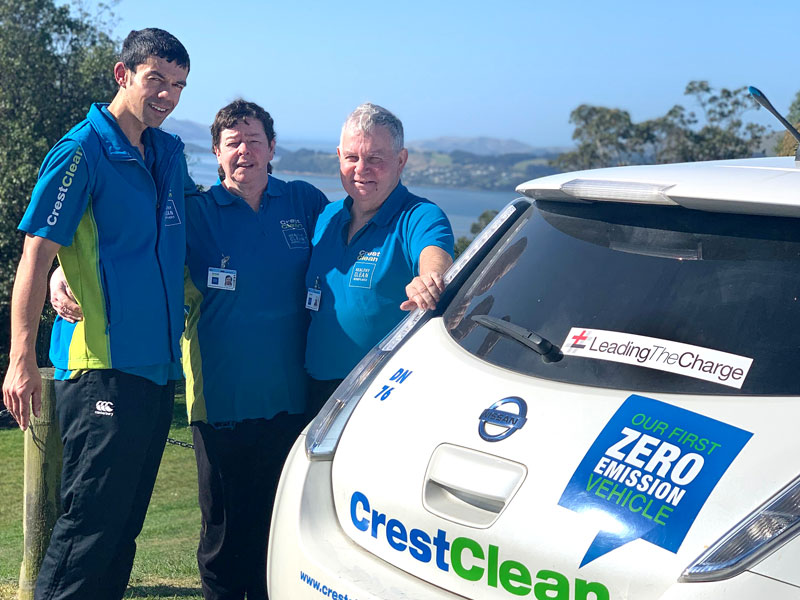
{"x": 665, "y": 355}
{"x": 651, "y": 470}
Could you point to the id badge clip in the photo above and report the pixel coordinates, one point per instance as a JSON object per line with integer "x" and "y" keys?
{"x": 314, "y": 297}
{"x": 222, "y": 278}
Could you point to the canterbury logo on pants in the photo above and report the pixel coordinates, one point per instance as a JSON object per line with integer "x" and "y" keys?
{"x": 104, "y": 408}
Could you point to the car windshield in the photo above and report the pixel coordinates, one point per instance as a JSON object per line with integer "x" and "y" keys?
{"x": 717, "y": 282}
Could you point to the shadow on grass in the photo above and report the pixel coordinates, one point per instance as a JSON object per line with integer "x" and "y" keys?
{"x": 6, "y": 420}
{"x": 163, "y": 591}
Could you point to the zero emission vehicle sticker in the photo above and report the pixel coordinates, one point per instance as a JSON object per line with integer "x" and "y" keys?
{"x": 650, "y": 471}
{"x": 664, "y": 355}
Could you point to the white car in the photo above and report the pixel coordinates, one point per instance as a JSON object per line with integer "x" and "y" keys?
{"x": 605, "y": 405}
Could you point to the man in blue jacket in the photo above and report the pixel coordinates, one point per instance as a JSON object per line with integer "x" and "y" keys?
{"x": 110, "y": 203}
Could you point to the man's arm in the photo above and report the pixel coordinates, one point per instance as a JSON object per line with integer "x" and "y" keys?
{"x": 23, "y": 384}
{"x": 425, "y": 290}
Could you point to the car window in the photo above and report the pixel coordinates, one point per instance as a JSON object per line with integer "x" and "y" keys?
{"x": 728, "y": 283}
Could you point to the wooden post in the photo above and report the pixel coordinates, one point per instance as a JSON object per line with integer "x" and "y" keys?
{"x": 41, "y": 487}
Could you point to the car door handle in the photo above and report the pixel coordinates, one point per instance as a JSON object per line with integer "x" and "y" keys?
{"x": 470, "y": 487}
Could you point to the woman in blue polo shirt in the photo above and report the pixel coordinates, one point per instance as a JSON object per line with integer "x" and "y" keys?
{"x": 248, "y": 247}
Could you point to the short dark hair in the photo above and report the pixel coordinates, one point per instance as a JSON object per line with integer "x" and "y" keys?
{"x": 144, "y": 43}
{"x": 237, "y": 111}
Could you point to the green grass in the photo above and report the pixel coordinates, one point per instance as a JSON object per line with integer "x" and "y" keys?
{"x": 165, "y": 565}
{"x": 10, "y": 508}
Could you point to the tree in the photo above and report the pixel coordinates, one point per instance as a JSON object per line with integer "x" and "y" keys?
{"x": 787, "y": 146}
{"x": 463, "y": 241}
{"x": 54, "y": 62}
{"x": 608, "y": 137}
{"x": 794, "y": 110}
{"x": 722, "y": 132}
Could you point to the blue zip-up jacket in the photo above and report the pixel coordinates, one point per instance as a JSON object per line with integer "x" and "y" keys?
{"x": 121, "y": 225}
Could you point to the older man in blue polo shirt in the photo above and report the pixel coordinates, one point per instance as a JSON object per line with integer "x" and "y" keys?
{"x": 378, "y": 252}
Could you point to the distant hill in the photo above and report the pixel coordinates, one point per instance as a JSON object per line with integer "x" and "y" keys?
{"x": 197, "y": 135}
{"x": 189, "y": 131}
{"x": 448, "y": 169}
{"x": 481, "y": 146}
{"x": 479, "y": 162}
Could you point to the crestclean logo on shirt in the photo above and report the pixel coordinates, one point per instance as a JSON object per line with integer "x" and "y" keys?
{"x": 364, "y": 268}
{"x": 369, "y": 255}
{"x": 63, "y": 189}
{"x": 291, "y": 224}
{"x": 295, "y": 234}
{"x": 664, "y": 355}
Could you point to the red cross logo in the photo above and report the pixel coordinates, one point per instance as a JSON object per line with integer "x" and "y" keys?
{"x": 578, "y": 339}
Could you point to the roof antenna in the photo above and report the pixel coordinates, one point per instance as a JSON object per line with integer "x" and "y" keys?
{"x": 762, "y": 100}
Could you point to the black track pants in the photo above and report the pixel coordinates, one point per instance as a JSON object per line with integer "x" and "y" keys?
{"x": 113, "y": 426}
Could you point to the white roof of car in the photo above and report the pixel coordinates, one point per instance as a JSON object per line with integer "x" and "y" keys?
{"x": 764, "y": 186}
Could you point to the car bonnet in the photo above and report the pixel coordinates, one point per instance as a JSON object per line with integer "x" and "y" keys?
{"x": 488, "y": 483}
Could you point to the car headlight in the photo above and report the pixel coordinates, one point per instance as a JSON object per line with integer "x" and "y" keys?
{"x": 326, "y": 429}
{"x": 761, "y": 533}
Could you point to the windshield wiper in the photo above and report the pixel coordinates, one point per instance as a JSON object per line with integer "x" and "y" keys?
{"x": 530, "y": 339}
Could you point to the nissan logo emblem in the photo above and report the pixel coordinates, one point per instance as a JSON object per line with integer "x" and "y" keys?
{"x": 502, "y": 423}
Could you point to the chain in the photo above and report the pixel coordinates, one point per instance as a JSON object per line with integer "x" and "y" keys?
{"x": 5, "y": 412}
{"x": 180, "y": 443}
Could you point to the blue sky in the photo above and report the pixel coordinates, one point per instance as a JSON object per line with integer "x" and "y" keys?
{"x": 500, "y": 68}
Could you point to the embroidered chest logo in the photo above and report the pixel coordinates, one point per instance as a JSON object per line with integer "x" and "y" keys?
{"x": 364, "y": 269}
{"x": 295, "y": 234}
{"x": 171, "y": 216}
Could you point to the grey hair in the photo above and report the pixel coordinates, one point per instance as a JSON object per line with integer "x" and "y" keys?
{"x": 368, "y": 116}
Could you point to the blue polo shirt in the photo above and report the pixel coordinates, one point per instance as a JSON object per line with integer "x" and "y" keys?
{"x": 244, "y": 341}
{"x": 362, "y": 283}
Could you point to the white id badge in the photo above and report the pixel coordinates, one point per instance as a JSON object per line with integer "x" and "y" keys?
{"x": 221, "y": 279}
{"x": 312, "y": 299}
